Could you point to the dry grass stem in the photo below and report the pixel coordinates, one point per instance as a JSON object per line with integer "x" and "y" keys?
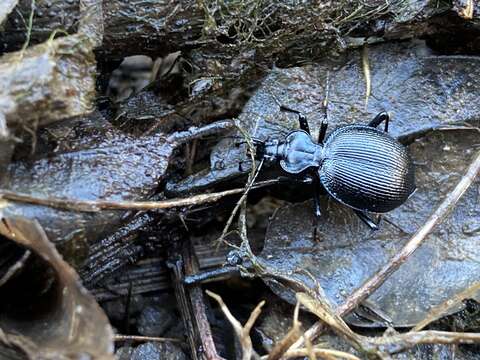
{"x": 98, "y": 205}
{"x": 293, "y": 335}
{"x": 325, "y": 312}
{"x": 366, "y": 74}
{"x": 242, "y": 332}
{"x": 323, "y": 353}
{"x": 311, "y": 353}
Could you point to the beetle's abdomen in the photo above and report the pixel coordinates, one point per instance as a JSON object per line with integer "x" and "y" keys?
{"x": 367, "y": 169}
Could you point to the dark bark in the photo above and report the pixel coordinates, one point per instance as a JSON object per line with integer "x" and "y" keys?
{"x": 270, "y": 28}
{"x": 49, "y": 15}
{"x": 48, "y": 82}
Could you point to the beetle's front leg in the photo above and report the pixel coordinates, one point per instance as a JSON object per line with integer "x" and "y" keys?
{"x": 302, "y": 119}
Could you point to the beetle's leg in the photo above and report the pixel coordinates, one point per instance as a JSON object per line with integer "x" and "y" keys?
{"x": 366, "y": 219}
{"x": 324, "y": 125}
{"x": 302, "y": 119}
{"x": 381, "y": 117}
{"x": 316, "y": 196}
{"x": 316, "y": 202}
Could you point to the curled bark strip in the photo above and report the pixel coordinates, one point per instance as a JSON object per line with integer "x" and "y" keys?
{"x": 70, "y": 323}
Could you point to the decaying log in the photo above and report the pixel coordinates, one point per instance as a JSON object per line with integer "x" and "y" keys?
{"x": 42, "y": 84}
{"x": 160, "y": 27}
{"x": 50, "y": 81}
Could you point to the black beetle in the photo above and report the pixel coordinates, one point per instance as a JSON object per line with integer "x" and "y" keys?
{"x": 358, "y": 165}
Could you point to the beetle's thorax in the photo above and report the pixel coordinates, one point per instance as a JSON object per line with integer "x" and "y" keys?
{"x": 296, "y": 153}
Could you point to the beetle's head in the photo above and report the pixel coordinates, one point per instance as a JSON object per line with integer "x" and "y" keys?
{"x": 268, "y": 151}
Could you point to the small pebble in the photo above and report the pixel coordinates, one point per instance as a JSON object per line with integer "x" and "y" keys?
{"x": 155, "y": 321}
{"x": 158, "y": 351}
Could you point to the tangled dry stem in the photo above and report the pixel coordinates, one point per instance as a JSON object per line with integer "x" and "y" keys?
{"x": 270, "y": 26}
{"x": 242, "y": 332}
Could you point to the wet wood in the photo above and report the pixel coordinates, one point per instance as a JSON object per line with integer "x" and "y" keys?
{"x": 199, "y": 308}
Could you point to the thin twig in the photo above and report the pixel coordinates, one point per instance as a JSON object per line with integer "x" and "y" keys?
{"x": 146, "y": 338}
{"x": 293, "y": 334}
{"x": 29, "y": 28}
{"x": 97, "y": 205}
{"x": 325, "y": 313}
{"x": 387, "y": 344}
{"x": 198, "y": 306}
{"x": 250, "y": 182}
{"x": 309, "y": 347}
{"x": 238, "y": 204}
{"x": 396, "y": 261}
{"x": 401, "y": 342}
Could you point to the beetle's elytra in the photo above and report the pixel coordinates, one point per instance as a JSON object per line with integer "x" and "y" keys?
{"x": 366, "y": 169}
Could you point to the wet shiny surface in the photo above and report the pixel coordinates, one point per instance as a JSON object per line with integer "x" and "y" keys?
{"x": 95, "y": 161}
{"x": 347, "y": 253}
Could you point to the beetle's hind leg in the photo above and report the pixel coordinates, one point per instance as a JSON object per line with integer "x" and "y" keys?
{"x": 316, "y": 204}
{"x": 316, "y": 197}
{"x": 381, "y": 117}
{"x": 366, "y": 219}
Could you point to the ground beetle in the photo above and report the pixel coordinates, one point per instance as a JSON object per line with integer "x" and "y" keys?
{"x": 358, "y": 165}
